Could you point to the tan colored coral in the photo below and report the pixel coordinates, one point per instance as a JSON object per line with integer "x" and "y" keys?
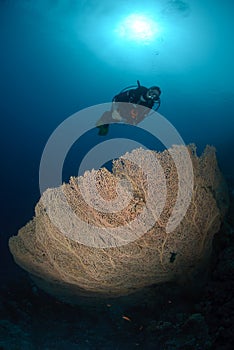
{"x": 61, "y": 247}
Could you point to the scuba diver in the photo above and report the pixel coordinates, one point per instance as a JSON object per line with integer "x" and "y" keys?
{"x": 131, "y": 106}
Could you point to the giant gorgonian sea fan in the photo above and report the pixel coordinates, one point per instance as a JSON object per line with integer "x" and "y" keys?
{"x": 107, "y": 234}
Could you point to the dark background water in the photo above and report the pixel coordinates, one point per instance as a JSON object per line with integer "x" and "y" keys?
{"x": 58, "y": 57}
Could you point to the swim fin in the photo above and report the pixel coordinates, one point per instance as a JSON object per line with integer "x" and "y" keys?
{"x": 103, "y": 129}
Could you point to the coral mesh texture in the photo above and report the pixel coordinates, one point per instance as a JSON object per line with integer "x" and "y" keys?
{"x": 67, "y": 268}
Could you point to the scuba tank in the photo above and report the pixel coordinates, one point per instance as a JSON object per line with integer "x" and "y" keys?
{"x": 131, "y": 87}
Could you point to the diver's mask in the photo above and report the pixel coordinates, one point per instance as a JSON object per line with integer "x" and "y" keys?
{"x": 153, "y": 93}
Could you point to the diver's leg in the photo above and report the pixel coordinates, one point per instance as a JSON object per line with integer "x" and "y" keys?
{"x": 103, "y": 123}
{"x": 116, "y": 113}
{"x": 106, "y": 118}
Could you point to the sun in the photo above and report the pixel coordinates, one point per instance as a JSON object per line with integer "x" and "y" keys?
{"x": 138, "y": 28}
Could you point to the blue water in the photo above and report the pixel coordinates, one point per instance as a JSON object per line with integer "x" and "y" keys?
{"x": 59, "y": 57}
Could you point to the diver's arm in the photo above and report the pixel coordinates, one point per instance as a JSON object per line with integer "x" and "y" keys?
{"x": 158, "y": 105}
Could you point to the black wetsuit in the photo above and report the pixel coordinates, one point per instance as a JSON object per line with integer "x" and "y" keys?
{"x": 132, "y": 105}
{"x": 136, "y": 96}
